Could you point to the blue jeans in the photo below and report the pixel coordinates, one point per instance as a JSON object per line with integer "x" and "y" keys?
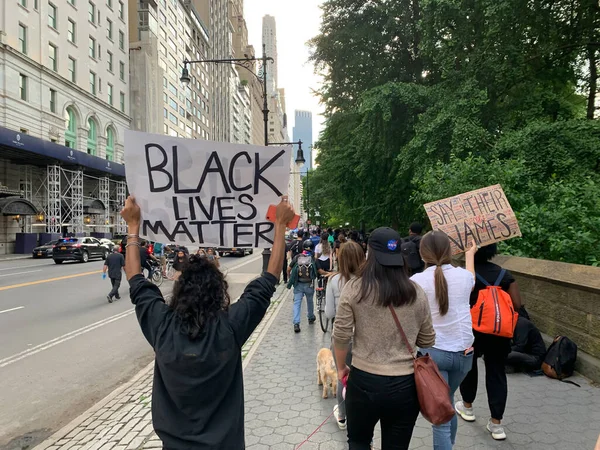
{"x": 454, "y": 367}
{"x": 301, "y": 290}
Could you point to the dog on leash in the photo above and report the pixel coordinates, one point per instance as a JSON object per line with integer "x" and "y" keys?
{"x": 326, "y": 372}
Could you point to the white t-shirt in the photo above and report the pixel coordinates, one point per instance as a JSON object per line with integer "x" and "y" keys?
{"x": 318, "y": 249}
{"x": 454, "y": 331}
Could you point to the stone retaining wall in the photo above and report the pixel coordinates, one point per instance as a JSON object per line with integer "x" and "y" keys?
{"x": 562, "y": 299}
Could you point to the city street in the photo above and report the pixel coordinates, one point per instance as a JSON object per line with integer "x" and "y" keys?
{"x": 64, "y": 346}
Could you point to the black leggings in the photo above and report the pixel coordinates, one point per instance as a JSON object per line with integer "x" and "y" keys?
{"x": 374, "y": 398}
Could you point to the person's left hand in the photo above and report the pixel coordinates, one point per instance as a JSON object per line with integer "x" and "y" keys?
{"x": 131, "y": 213}
{"x": 473, "y": 248}
{"x": 343, "y": 372}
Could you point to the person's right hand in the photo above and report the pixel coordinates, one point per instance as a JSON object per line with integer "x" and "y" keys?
{"x": 284, "y": 212}
{"x": 131, "y": 213}
{"x": 343, "y": 372}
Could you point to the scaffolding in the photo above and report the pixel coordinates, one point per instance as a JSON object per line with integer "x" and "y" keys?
{"x": 26, "y": 187}
{"x": 72, "y": 194}
{"x": 53, "y": 206}
{"x": 104, "y": 197}
{"x": 120, "y": 226}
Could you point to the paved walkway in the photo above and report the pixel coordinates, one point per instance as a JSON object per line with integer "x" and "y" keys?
{"x": 284, "y": 404}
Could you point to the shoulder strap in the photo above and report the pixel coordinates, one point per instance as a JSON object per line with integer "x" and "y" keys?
{"x": 500, "y": 277}
{"x": 483, "y": 280}
{"x": 404, "y": 338}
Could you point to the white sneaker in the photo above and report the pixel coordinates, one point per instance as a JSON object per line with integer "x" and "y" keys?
{"x": 497, "y": 430}
{"x": 341, "y": 424}
{"x": 464, "y": 412}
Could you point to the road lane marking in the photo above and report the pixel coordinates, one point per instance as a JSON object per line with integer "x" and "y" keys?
{"x": 12, "y": 309}
{"x": 249, "y": 261}
{"x": 19, "y": 273}
{"x": 49, "y": 280}
{"x": 59, "y": 340}
{"x": 26, "y": 267}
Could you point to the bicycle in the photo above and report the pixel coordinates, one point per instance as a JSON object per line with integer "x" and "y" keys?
{"x": 156, "y": 276}
{"x": 323, "y": 320}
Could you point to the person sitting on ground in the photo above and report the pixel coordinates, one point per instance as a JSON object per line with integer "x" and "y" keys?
{"x": 198, "y": 393}
{"x": 528, "y": 348}
{"x": 494, "y": 349}
{"x": 350, "y": 261}
{"x": 381, "y": 383}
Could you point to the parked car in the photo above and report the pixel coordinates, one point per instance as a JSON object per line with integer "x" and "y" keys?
{"x": 108, "y": 244}
{"x": 44, "y": 251}
{"x": 235, "y": 251}
{"x": 80, "y": 249}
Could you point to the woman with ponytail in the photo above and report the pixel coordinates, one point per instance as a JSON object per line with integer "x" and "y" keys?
{"x": 448, "y": 290}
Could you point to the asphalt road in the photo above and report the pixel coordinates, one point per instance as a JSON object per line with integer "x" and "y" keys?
{"x": 64, "y": 347}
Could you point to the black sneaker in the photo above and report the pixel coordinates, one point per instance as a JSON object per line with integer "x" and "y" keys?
{"x": 296, "y": 328}
{"x": 110, "y": 300}
{"x": 118, "y": 298}
{"x": 312, "y": 321}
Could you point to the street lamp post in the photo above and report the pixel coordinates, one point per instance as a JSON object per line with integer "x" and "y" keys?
{"x": 245, "y": 63}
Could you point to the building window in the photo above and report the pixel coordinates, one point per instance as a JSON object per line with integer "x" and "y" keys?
{"x": 165, "y": 128}
{"x": 110, "y": 144}
{"x": 109, "y": 29}
{"x": 92, "y": 46}
{"x": 121, "y": 40}
{"x": 52, "y": 15}
{"x": 122, "y": 101}
{"x": 52, "y": 57}
{"x": 109, "y": 3}
{"x": 53, "y": 100}
{"x": 23, "y": 86}
{"x": 122, "y": 70}
{"x": 163, "y": 50}
{"x": 72, "y": 71}
{"x": 23, "y": 3}
{"x": 110, "y": 94}
{"x": 92, "y": 12}
{"x": 173, "y": 118}
{"x": 93, "y": 83}
{"x": 71, "y": 2}
{"x": 91, "y": 140}
{"x": 173, "y": 104}
{"x": 121, "y": 11}
{"x": 165, "y": 113}
{"x": 71, "y": 31}
{"x": 23, "y": 38}
{"x": 71, "y": 131}
{"x": 110, "y": 61}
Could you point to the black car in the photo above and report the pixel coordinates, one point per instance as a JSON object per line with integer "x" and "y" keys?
{"x": 44, "y": 251}
{"x": 80, "y": 249}
{"x": 235, "y": 251}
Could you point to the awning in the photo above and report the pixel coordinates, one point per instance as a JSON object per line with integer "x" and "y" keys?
{"x": 25, "y": 149}
{"x": 93, "y": 206}
{"x": 17, "y": 206}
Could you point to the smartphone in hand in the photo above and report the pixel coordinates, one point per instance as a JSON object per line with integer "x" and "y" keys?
{"x": 271, "y": 214}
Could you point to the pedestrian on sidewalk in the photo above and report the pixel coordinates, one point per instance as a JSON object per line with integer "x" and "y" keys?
{"x": 381, "y": 382}
{"x": 494, "y": 349}
{"x": 198, "y": 394}
{"x": 448, "y": 290}
{"x": 113, "y": 266}
{"x": 302, "y": 274}
{"x": 350, "y": 262}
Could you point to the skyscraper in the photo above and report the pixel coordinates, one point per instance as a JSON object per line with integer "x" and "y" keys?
{"x": 269, "y": 39}
{"x": 303, "y": 132}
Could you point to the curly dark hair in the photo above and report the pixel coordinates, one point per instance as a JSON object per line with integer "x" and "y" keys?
{"x": 199, "y": 294}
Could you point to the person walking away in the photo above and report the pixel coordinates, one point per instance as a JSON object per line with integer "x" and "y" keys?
{"x": 315, "y": 238}
{"x": 350, "y": 260}
{"x": 296, "y": 246}
{"x": 411, "y": 248}
{"x": 331, "y": 237}
{"x": 494, "y": 349}
{"x": 528, "y": 348}
{"x": 381, "y": 383}
{"x": 319, "y": 247}
{"x": 302, "y": 274}
{"x": 198, "y": 394}
{"x": 341, "y": 240}
{"x": 113, "y": 266}
{"x": 448, "y": 291}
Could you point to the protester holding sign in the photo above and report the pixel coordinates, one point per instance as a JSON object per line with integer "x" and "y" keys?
{"x": 198, "y": 396}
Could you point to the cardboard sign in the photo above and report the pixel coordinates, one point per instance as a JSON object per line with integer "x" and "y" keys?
{"x": 484, "y": 215}
{"x": 204, "y": 193}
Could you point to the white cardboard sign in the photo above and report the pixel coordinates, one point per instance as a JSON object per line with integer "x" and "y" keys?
{"x": 204, "y": 193}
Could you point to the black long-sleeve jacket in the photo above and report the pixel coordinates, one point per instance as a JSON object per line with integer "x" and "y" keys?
{"x": 198, "y": 393}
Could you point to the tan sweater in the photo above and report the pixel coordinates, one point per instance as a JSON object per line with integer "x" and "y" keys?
{"x": 377, "y": 346}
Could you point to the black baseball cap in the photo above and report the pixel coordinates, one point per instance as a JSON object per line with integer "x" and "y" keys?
{"x": 385, "y": 243}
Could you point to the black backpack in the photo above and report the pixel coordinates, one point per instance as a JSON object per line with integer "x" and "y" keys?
{"x": 559, "y": 362}
{"x": 411, "y": 253}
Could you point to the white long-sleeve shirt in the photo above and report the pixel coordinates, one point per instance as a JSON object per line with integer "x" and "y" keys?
{"x": 332, "y": 296}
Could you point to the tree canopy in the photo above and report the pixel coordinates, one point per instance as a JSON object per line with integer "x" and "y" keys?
{"x": 430, "y": 98}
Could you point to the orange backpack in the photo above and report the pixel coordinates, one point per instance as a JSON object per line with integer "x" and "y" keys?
{"x": 494, "y": 312}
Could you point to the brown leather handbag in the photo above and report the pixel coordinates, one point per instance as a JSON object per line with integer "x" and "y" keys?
{"x": 432, "y": 389}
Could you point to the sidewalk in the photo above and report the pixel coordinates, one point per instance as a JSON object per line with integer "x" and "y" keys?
{"x": 284, "y": 404}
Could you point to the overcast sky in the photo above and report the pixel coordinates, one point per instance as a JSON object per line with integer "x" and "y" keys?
{"x": 297, "y": 22}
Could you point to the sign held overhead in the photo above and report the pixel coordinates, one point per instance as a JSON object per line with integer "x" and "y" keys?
{"x": 483, "y": 215}
{"x": 205, "y": 193}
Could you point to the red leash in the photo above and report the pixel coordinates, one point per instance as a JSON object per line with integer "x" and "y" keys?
{"x": 315, "y": 432}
